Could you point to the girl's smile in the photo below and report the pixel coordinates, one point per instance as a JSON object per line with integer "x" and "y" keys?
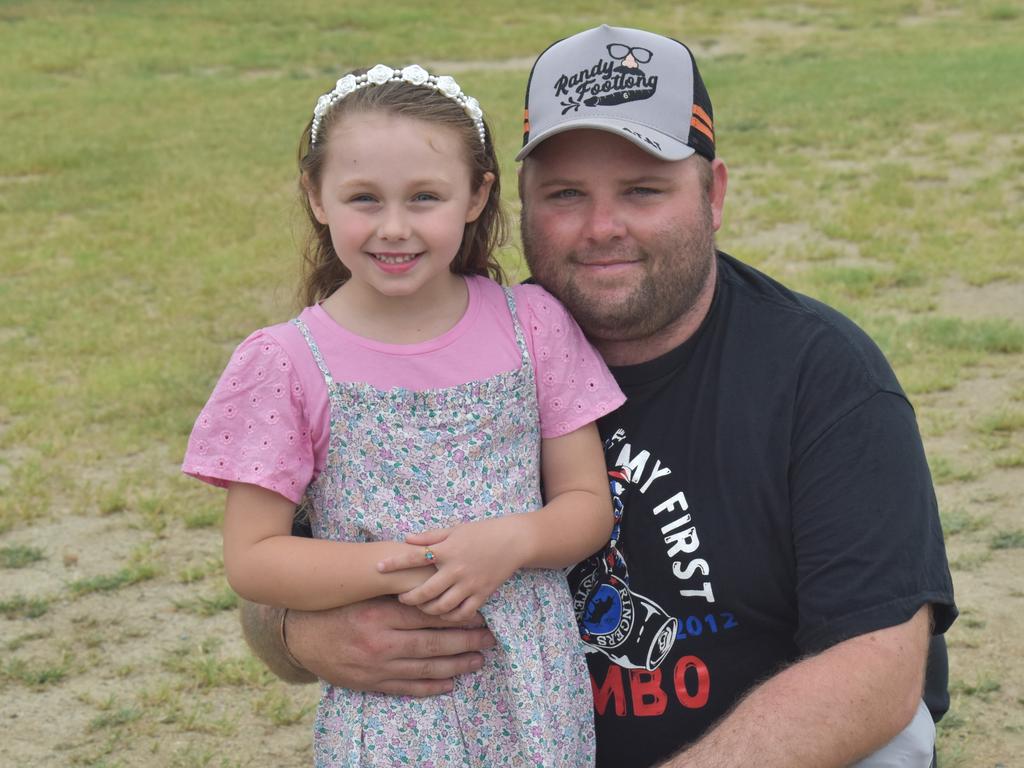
{"x": 396, "y": 263}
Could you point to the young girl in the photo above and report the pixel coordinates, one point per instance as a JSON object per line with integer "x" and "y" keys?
{"x": 417, "y": 404}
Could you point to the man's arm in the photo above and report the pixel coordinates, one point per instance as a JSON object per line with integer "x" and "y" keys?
{"x": 827, "y": 710}
{"x": 261, "y": 625}
{"x": 376, "y": 645}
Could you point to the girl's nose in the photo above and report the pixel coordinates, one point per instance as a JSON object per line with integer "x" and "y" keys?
{"x": 393, "y": 224}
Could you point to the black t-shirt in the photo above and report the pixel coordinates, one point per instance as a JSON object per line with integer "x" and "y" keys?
{"x": 775, "y": 501}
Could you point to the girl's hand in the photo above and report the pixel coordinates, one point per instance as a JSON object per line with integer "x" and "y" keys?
{"x": 472, "y": 561}
{"x": 414, "y": 556}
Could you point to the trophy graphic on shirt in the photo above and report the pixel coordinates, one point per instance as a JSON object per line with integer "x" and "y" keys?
{"x": 630, "y": 629}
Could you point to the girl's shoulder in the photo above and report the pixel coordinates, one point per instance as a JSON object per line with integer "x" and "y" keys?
{"x": 545, "y": 315}
{"x": 286, "y": 336}
{"x": 286, "y": 341}
{"x": 532, "y": 301}
{"x": 278, "y": 354}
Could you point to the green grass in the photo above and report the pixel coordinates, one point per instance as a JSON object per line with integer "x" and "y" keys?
{"x": 280, "y": 709}
{"x": 969, "y": 561}
{"x": 1002, "y": 421}
{"x": 110, "y": 582}
{"x": 148, "y": 223}
{"x": 204, "y": 518}
{"x": 114, "y": 718}
{"x": 35, "y": 675}
{"x": 981, "y": 687}
{"x": 1009, "y": 460}
{"x": 19, "y": 556}
{"x": 1008, "y": 539}
{"x": 195, "y": 573}
{"x": 210, "y": 605}
{"x": 957, "y": 520}
{"x": 973, "y": 623}
{"x": 205, "y": 667}
{"x": 21, "y": 640}
{"x": 20, "y": 606}
{"x": 945, "y": 471}
{"x": 127, "y": 281}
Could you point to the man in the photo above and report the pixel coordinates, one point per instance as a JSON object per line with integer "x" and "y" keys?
{"x": 778, "y": 569}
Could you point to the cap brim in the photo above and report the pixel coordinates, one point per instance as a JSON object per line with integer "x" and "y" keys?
{"x": 658, "y": 144}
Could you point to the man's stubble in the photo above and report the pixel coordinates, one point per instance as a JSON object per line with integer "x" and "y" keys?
{"x": 679, "y": 263}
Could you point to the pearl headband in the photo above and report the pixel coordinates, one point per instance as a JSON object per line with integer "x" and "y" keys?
{"x": 380, "y": 74}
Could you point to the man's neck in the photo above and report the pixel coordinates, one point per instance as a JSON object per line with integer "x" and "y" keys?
{"x": 620, "y": 352}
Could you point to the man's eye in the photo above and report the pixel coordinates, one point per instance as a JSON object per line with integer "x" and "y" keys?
{"x": 644, "y": 191}
{"x": 564, "y": 194}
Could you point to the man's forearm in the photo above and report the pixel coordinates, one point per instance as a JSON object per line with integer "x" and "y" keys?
{"x": 262, "y": 627}
{"x": 828, "y": 710}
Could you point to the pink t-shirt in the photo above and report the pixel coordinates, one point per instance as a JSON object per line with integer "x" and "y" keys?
{"x": 268, "y": 419}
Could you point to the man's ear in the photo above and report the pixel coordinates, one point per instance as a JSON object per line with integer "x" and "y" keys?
{"x": 478, "y": 200}
{"x": 719, "y": 182}
{"x": 313, "y": 196}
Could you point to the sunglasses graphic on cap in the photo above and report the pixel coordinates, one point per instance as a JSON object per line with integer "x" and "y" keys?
{"x": 621, "y": 51}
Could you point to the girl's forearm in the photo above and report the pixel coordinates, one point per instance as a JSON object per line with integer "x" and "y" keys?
{"x": 315, "y": 574}
{"x": 567, "y": 529}
{"x": 577, "y": 519}
{"x": 265, "y": 564}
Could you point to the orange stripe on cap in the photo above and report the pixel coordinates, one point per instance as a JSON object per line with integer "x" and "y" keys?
{"x": 702, "y": 128}
{"x": 526, "y": 121}
{"x": 703, "y": 116}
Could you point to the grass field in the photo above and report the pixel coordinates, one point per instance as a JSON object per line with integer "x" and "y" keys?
{"x": 148, "y": 222}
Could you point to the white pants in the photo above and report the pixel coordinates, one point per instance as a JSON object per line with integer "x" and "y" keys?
{"x": 913, "y": 747}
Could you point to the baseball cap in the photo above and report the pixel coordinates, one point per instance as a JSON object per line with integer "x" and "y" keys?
{"x": 636, "y": 84}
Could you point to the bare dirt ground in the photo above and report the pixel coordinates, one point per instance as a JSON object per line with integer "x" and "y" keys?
{"x": 985, "y": 726}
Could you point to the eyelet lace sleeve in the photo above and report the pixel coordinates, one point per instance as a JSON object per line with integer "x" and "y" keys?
{"x": 254, "y": 429}
{"x": 574, "y": 386}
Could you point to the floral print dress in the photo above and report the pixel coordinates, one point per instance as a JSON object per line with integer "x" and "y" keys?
{"x": 401, "y": 461}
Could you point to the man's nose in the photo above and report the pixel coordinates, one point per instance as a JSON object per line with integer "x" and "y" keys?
{"x": 606, "y": 221}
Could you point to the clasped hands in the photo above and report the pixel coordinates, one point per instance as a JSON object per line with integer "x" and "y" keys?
{"x": 471, "y": 560}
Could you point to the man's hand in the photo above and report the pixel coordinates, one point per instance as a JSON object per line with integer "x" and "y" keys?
{"x": 381, "y": 645}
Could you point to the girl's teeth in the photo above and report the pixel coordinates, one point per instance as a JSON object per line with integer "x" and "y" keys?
{"x": 395, "y": 259}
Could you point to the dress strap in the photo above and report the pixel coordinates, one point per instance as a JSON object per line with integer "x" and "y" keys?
{"x": 520, "y": 336}
{"x": 304, "y": 330}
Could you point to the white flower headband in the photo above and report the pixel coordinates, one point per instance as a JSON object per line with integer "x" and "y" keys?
{"x": 380, "y": 74}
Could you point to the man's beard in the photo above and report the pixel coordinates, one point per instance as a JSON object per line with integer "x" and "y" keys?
{"x": 679, "y": 265}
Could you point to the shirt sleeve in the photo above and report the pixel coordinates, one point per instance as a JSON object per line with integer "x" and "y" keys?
{"x": 574, "y": 386}
{"x": 866, "y": 528}
{"x": 254, "y": 428}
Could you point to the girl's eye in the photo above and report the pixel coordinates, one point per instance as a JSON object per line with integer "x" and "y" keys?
{"x": 566, "y": 194}
{"x": 424, "y": 197}
{"x": 362, "y": 198}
